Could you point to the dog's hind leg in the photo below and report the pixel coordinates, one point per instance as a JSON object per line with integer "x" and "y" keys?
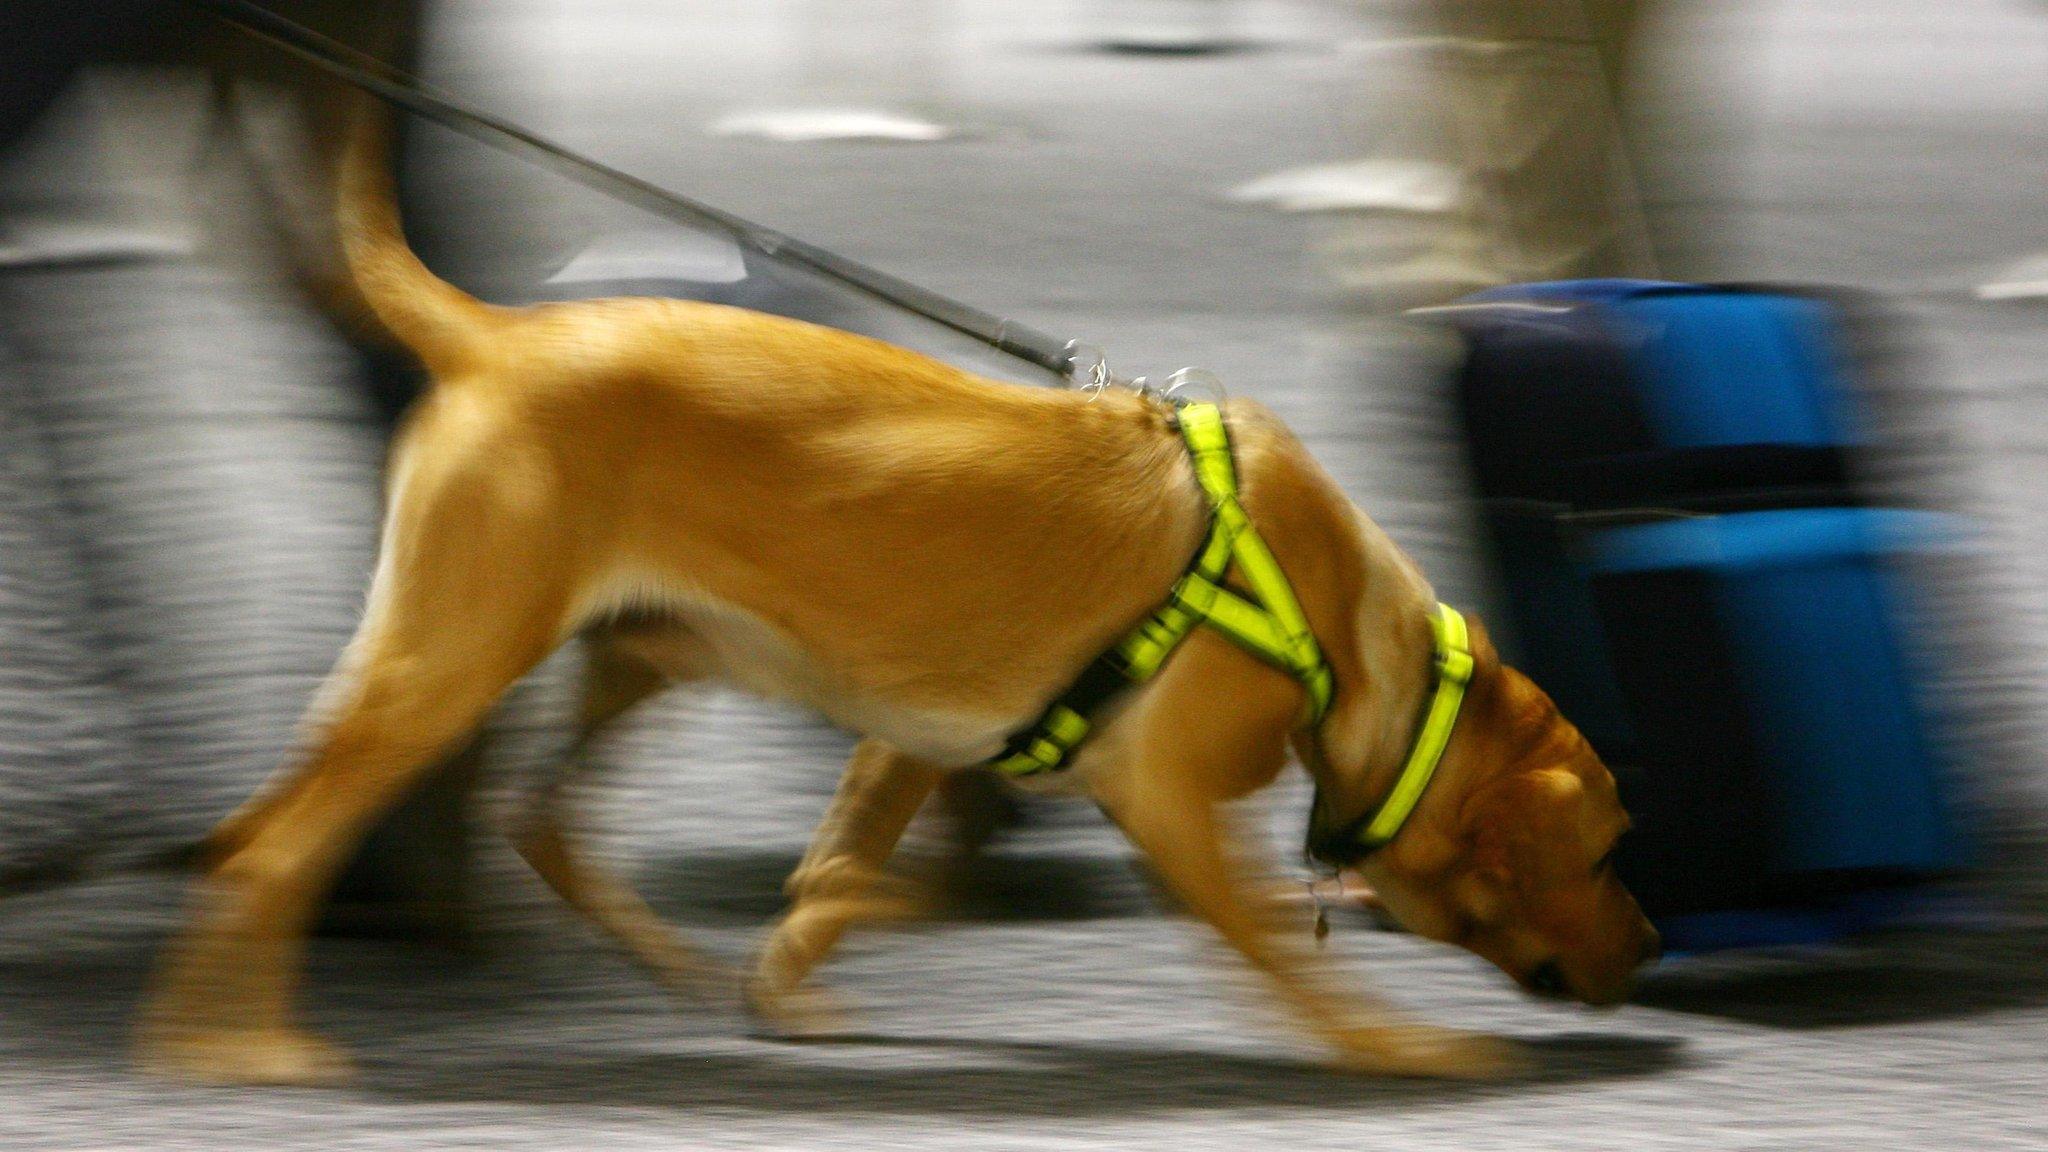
{"x": 473, "y": 589}
{"x": 833, "y": 887}
{"x": 621, "y": 672}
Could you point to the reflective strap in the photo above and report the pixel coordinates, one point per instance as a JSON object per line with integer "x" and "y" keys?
{"x": 1294, "y": 645}
{"x": 1276, "y": 628}
{"x": 1145, "y": 650}
{"x": 1453, "y": 672}
{"x": 1243, "y": 621}
{"x": 1201, "y": 425}
{"x": 1270, "y": 625}
{"x": 1058, "y": 733}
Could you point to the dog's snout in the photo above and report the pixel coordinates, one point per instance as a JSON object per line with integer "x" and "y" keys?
{"x": 1653, "y": 947}
{"x": 1548, "y": 979}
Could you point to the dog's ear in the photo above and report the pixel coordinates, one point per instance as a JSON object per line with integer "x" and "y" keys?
{"x": 1509, "y": 829}
{"x": 1515, "y": 824}
{"x": 1482, "y": 895}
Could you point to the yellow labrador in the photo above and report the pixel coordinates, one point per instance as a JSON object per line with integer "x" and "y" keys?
{"x": 927, "y": 558}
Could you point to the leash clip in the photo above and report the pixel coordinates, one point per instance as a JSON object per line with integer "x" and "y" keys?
{"x": 1206, "y": 385}
{"x": 1088, "y": 369}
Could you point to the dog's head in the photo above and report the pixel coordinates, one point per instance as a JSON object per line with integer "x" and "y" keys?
{"x": 1511, "y": 853}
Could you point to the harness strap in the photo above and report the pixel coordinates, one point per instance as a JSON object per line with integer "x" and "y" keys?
{"x": 1454, "y": 666}
{"x": 1271, "y": 625}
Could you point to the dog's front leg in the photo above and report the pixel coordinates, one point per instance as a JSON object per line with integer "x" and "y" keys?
{"x": 1182, "y": 835}
{"x": 1214, "y": 727}
{"x": 833, "y": 887}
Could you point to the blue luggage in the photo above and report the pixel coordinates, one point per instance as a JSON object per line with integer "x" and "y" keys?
{"x": 1670, "y": 482}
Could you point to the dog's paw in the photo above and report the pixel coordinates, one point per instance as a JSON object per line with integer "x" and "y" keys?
{"x": 1421, "y": 1050}
{"x": 243, "y": 1056}
{"x": 696, "y": 985}
{"x": 800, "y": 1013}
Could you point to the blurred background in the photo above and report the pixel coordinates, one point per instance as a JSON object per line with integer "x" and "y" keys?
{"x": 190, "y": 444}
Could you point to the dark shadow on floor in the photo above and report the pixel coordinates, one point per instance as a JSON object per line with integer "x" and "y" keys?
{"x": 881, "y": 1075}
{"x": 1888, "y": 981}
{"x": 564, "y": 1023}
{"x": 746, "y": 888}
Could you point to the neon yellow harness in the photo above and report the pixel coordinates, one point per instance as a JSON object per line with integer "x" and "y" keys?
{"x": 1270, "y": 625}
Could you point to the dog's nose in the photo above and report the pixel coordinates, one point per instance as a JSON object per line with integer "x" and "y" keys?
{"x": 1548, "y": 979}
{"x": 1653, "y": 946}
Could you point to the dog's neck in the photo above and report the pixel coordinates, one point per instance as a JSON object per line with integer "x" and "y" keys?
{"x": 1385, "y": 691}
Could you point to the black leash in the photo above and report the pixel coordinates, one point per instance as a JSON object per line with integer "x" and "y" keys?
{"x": 366, "y": 72}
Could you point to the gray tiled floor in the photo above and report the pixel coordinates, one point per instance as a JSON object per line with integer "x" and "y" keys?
{"x": 1093, "y": 209}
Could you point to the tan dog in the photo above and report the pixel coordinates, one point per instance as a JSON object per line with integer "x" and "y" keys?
{"x": 927, "y": 558}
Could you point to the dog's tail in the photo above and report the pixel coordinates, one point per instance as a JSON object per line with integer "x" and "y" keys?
{"x": 442, "y": 325}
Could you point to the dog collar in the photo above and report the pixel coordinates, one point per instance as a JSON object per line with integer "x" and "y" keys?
{"x": 1454, "y": 665}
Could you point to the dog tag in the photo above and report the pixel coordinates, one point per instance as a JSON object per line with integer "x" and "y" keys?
{"x": 1322, "y": 922}
{"x": 1315, "y": 896}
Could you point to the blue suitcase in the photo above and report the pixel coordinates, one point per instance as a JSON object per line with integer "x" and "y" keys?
{"x": 1669, "y": 475}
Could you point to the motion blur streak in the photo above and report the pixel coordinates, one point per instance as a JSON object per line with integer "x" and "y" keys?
{"x": 190, "y": 446}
